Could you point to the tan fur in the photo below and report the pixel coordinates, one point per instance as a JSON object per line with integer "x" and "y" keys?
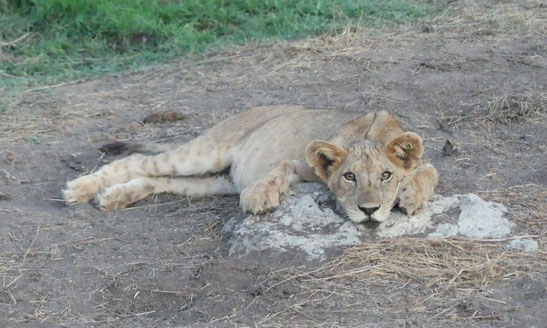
{"x": 266, "y": 149}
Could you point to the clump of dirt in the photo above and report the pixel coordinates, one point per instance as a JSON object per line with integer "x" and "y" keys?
{"x": 163, "y": 117}
{"x": 118, "y": 148}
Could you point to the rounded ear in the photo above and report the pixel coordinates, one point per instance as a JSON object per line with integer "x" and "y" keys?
{"x": 405, "y": 150}
{"x": 324, "y": 158}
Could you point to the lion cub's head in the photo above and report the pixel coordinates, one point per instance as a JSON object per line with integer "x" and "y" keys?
{"x": 365, "y": 178}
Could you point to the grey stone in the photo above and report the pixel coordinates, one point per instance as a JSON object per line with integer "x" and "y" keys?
{"x": 308, "y": 223}
{"x": 524, "y": 244}
{"x": 477, "y": 218}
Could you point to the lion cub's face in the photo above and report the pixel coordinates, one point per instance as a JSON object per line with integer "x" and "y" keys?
{"x": 365, "y": 178}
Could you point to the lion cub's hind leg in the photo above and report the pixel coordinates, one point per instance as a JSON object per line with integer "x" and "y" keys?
{"x": 199, "y": 156}
{"x": 124, "y": 194}
{"x": 417, "y": 188}
{"x": 85, "y": 187}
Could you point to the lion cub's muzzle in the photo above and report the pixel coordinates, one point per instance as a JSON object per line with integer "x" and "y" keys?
{"x": 368, "y": 214}
{"x": 369, "y": 211}
{"x": 365, "y": 214}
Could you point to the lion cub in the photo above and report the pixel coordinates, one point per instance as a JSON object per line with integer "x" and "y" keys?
{"x": 367, "y": 161}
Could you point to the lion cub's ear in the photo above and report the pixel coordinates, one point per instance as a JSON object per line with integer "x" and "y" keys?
{"x": 405, "y": 150}
{"x": 324, "y": 157}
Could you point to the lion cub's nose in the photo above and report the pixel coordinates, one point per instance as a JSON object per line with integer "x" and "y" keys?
{"x": 369, "y": 210}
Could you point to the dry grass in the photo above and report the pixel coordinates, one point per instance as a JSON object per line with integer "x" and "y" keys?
{"x": 504, "y": 109}
{"x": 507, "y": 109}
{"x": 435, "y": 277}
{"x": 490, "y": 19}
{"x": 437, "y": 264}
{"x": 440, "y": 263}
{"x": 528, "y": 203}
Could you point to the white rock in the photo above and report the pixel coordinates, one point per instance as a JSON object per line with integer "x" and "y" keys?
{"x": 477, "y": 218}
{"x": 445, "y": 230}
{"x": 399, "y": 224}
{"x": 299, "y": 223}
{"x": 304, "y": 224}
{"x": 524, "y": 244}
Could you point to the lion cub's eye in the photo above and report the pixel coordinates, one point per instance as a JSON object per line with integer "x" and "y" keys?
{"x": 386, "y": 176}
{"x": 349, "y": 176}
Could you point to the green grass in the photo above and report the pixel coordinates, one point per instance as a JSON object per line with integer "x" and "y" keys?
{"x": 70, "y": 39}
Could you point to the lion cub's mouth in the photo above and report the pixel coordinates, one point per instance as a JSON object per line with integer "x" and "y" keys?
{"x": 367, "y": 220}
{"x": 371, "y": 224}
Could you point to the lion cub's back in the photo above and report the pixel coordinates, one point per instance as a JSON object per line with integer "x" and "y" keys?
{"x": 281, "y": 138}
{"x": 236, "y": 127}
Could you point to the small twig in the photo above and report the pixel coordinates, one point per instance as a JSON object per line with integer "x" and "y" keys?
{"x": 293, "y": 278}
{"x": 52, "y": 86}
{"x": 152, "y": 205}
{"x": 442, "y": 312}
{"x": 19, "y": 39}
{"x": 496, "y": 240}
{"x": 212, "y": 226}
{"x": 295, "y": 307}
{"x": 29, "y": 248}
{"x": 13, "y": 281}
{"x": 493, "y": 300}
{"x": 12, "y": 297}
{"x": 167, "y": 292}
{"x": 144, "y": 313}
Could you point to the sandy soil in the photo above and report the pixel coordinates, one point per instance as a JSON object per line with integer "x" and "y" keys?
{"x": 476, "y": 77}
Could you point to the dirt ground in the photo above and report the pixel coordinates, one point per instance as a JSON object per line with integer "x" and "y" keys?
{"x": 476, "y": 76}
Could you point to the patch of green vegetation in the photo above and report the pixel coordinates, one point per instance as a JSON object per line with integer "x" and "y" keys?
{"x": 49, "y": 41}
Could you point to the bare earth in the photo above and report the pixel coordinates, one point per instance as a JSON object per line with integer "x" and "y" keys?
{"x": 476, "y": 76}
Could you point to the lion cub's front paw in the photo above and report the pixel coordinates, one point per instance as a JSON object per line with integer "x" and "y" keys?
{"x": 80, "y": 190}
{"x": 411, "y": 200}
{"x": 260, "y": 197}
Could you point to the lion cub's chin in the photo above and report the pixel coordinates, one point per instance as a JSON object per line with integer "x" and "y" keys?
{"x": 359, "y": 217}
